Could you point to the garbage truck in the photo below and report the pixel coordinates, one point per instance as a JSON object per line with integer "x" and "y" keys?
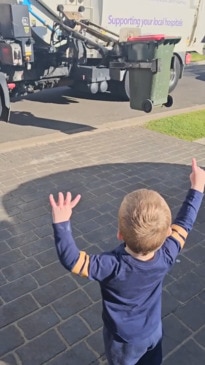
{"x": 82, "y": 43}
{"x": 183, "y": 18}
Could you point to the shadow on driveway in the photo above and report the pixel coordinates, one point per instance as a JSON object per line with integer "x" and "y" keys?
{"x": 28, "y": 119}
{"x": 48, "y": 316}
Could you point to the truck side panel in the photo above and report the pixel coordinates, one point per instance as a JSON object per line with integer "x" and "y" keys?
{"x": 184, "y": 18}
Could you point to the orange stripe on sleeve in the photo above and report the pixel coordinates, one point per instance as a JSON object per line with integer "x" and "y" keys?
{"x": 180, "y": 230}
{"x": 178, "y": 238}
{"x": 80, "y": 263}
{"x": 84, "y": 271}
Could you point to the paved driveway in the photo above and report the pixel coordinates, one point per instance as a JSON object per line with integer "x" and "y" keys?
{"x": 48, "y": 316}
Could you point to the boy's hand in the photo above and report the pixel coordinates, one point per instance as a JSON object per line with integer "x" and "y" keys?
{"x": 197, "y": 177}
{"x": 62, "y": 209}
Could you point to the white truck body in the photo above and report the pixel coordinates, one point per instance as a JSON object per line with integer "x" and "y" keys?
{"x": 184, "y": 18}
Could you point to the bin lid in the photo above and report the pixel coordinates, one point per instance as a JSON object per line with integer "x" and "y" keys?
{"x": 147, "y": 38}
{"x": 155, "y": 38}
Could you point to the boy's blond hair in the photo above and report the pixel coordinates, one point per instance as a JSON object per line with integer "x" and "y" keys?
{"x": 144, "y": 219}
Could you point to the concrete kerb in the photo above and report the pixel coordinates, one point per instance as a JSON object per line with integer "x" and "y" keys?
{"x": 121, "y": 124}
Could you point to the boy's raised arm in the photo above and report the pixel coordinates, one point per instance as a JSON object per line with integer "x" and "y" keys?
{"x": 197, "y": 177}
{"x": 94, "y": 267}
{"x": 67, "y": 250}
{"x": 189, "y": 210}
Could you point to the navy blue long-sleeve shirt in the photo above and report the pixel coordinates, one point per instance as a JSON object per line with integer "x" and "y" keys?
{"x": 131, "y": 289}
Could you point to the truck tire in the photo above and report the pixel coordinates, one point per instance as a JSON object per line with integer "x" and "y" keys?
{"x": 124, "y": 88}
{"x": 4, "y": 112}
{"x": 4, "y": 99}
{"x": 1, "y": 107}
{"x": 120, "y": 89}
{"x": 175, "y": 74}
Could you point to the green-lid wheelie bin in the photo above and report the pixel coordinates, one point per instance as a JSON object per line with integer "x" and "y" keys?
{"x": 149, "y": 61}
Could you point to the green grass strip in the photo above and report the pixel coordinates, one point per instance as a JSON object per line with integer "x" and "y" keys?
{"x": 189, "y": 127}
{"x": 196, "y": 57}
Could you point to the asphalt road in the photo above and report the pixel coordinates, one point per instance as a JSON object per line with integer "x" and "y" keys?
{"x": 58, "y": 110}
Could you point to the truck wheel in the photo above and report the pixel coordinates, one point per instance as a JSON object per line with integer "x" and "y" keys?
{"x": 175, "y": 74}
{"x": 125, "y": 87}
{"x": 1, "y": 108}
{"x": 120, "y": 89}
{"x": 4, "y": 112}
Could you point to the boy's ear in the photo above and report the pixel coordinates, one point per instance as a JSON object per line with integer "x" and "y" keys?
{"x": 119, "y": 236}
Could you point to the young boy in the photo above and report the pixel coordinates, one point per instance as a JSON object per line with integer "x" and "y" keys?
{"x": 131, "y": 275}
